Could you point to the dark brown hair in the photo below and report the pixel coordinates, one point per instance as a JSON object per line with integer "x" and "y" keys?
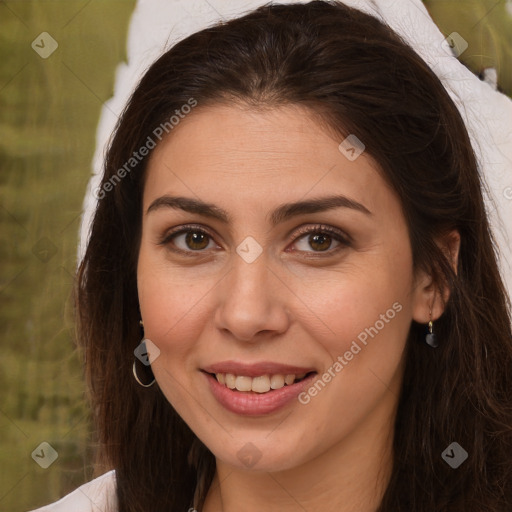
{"x": 361, "y": 78}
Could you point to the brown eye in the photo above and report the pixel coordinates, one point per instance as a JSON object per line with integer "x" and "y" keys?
{"x": 320, "y": 241}
{"x": 188, "y": 240}
{"x": 196, "y": 240}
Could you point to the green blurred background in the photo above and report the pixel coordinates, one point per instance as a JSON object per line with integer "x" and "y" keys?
{"x": 49, "y": 110}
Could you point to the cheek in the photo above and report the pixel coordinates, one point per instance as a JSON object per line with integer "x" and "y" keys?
{"x": 358, "y": 302}
{"x": 364, "y": 327}
{"x": 173, "y": 305}
{"x": 173, "y": 308}
{"x": 361, "y": 319}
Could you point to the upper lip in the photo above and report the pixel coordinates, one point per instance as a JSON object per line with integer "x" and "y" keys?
{"x": 256, "y": 369}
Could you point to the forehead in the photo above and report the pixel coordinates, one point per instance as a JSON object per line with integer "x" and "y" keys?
{"x": 242, "y": 156}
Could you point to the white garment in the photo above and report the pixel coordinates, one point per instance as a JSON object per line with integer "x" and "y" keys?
{"x": 97, "y": 495}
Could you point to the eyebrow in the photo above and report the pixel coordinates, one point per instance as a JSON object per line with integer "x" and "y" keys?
{"x": 280, "y": 214}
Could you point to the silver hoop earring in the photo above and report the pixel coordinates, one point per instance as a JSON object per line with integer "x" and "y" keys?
{"x": 138, "y": 380}
{"x": 142, "y": 352}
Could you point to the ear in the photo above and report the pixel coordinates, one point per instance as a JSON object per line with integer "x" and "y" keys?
{"x": 429, "y": 296}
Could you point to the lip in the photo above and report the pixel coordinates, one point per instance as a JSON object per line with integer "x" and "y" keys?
{"x": 256, "y": 369}
{"x": 249, "y": 403}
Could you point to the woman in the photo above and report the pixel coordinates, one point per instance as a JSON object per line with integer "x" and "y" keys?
{"x": 291, "y": 219}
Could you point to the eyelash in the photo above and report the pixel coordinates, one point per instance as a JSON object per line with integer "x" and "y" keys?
{"x": 301, "y": 232}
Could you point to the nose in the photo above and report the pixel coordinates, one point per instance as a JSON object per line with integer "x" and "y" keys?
{"x": 251, "y": 301}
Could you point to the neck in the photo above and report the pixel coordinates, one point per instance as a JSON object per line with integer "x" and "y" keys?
{"x": 350, "y": 476}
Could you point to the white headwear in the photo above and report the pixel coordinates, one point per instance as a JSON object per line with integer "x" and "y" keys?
{"x": 157, "y": 24}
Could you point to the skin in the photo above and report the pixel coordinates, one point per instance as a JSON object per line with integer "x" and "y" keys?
{"x": 294, "y": 304}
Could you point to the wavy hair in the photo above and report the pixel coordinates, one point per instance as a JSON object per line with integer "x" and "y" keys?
{"x": 359, "y": 77}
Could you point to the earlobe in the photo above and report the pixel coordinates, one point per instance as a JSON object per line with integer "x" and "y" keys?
{"x": 430, "y": 298}
{"x": 428, "y": 302}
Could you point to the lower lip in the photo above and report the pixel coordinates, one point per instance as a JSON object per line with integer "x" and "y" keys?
{"x": 249, "y": 403}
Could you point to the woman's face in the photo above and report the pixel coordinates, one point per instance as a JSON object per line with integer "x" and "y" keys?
{"x": 267, "y": 252}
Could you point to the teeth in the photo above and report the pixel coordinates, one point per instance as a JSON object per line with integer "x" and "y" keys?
{"x": 276, "y": 381}
{"x": 260, "y": 384}
{"x": 230, "y": 380}
{"x": 243, "y": 383}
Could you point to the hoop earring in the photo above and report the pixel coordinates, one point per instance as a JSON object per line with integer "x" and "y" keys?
{"x": 430, "y": 338}
{"x": 134, "y": 370}
{"x": 141, "y": 351}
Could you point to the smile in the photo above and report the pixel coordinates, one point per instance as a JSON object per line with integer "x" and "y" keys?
{"x": 260, "y": 384}
{"x": 256, "y": 389}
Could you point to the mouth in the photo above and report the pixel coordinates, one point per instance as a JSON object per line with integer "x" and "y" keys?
{"x": 260, "y": 384}
{"x": 257, "y": 389}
